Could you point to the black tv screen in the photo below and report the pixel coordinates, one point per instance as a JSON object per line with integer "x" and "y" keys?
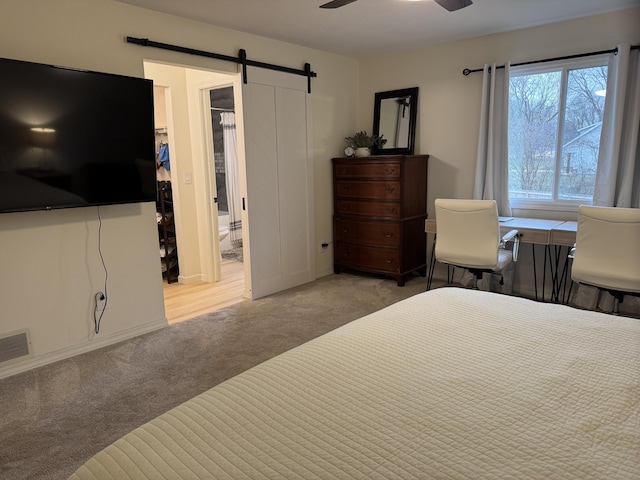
{"x": 73, "y": 138}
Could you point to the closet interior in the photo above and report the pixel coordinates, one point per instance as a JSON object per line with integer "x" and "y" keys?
{"x": 164, "y": 200}
{"x": 167, "y": 232}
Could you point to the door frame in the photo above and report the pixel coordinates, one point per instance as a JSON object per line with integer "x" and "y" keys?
{"x": 208, "y": 223}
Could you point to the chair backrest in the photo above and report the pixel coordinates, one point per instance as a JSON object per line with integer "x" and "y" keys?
{"x": 608, "y": 248}
{"x": 468, "y": 232}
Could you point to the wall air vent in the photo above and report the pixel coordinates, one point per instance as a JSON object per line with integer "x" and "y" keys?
{"x": 14, "y": 346}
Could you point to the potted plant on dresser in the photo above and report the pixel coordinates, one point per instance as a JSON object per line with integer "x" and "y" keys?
{"x": 363, "y": 144}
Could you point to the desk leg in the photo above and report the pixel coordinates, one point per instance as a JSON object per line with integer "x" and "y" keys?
{"x": 558, "y": 274}
{"x": 554, "y": 273}
{"x": 554, "y": 269}
{"x": 535, "y": 273}
{"x": 547, "y": 255}
{"x": 561, "y": 291}
{"x": 432, "y": 263}
{"x": 566, "y": 295}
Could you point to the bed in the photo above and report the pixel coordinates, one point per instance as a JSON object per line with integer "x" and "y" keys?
{"x": 448, "y": 384}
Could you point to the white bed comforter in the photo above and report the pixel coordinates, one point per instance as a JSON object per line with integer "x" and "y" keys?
{"x": 449, "y": 384}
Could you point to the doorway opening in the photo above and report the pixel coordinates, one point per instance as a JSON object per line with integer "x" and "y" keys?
{"x": 274, "y": 139}
{"x": 206, "y": 281}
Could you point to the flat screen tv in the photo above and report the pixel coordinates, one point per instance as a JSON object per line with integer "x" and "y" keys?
{"x": 73, "y": 138}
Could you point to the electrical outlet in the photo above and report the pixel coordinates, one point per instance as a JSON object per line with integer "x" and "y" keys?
{"x": 101, "y": 301}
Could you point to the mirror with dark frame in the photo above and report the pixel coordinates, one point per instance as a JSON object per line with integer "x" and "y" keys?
{"x": 394, "y": 118}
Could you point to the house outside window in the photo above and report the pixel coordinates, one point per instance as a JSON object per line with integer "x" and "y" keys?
{"x": 555, "y": 120}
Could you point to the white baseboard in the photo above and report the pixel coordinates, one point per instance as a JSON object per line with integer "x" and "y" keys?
{"x": 324, "y": 273}
{"x": 191, "y": 279}
{"x": 32, "y": 362}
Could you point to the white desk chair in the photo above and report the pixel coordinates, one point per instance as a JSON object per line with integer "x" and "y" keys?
{"x": 469, "y": 237}
{"x": 607, "y": 250}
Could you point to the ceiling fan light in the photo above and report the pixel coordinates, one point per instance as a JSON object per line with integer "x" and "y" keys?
{"x": 453, "y": 5}
{"x": 337, "y": 3}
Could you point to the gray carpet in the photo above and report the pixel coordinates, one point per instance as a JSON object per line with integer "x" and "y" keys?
{"x": 55, "y": 417}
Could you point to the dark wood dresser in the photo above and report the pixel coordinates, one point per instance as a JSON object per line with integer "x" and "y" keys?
{"x": 380, "y": 208}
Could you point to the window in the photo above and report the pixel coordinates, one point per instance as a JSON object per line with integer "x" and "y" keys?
{"x": 555, "y": 120}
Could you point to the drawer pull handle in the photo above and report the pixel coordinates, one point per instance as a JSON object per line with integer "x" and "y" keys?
{"x": 345, "y": 230}
{"x": 391, "y": 209}
{"x": 391, "y": 170}
{"x": 391, "y": 189}
{"x": 389, "y": 260}
{"x": 389, "y": 235}
{"x": 344, "y": 171}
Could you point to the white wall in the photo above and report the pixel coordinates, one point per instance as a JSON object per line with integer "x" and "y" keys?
{"x": 449, "y": 103}
{"x": 49, "y": 262}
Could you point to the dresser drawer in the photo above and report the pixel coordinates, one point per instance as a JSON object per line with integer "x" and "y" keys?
{"x": 372, "y": 232}
{"x": 369, "y": 190}
{"x": 375, "y": 209}
{"x": 373, "y": 170}
{"x": 378, "y": 259}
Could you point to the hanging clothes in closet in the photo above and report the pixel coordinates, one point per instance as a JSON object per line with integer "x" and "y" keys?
{"x": 163, "y": 156}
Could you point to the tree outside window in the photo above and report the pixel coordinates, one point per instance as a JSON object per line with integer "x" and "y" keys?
{"x": 555, "y": 120}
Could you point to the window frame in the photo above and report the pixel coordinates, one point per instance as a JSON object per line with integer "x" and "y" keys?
{"x": 564, "y": 66}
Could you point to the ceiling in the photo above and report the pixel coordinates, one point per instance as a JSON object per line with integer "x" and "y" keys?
{"x": 368, "y": 28}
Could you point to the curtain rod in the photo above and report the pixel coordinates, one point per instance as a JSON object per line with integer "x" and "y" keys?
{"x": 241, "y": 59}
{"x": 467, "y": 71}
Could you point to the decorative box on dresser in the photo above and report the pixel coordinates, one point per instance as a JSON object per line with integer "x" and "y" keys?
{"x": 380, "y": 208}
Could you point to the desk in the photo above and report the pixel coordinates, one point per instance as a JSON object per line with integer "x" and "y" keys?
{"x": 531, "y": 230}
{"x": 535, "y": 231}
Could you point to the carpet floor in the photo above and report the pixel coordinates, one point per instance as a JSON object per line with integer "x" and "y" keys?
{"x": 55, "y": 417}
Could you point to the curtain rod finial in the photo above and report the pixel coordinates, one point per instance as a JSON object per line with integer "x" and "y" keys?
{"x": 466, "y": 72}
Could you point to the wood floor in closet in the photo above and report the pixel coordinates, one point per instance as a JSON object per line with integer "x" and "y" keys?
{"x": 182, "y": 302}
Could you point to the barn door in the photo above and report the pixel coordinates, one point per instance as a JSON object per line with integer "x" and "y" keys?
{"x": 279, "y": 181}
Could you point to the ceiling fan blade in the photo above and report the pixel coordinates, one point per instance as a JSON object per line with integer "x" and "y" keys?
{"x": 337, "y": 3}
{"x": 453, "y": 5}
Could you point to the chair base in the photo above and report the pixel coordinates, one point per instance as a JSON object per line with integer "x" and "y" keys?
{"x": 477, "y": 276}
{"x": 618, "y": 298}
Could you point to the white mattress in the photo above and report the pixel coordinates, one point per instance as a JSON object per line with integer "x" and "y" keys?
{"x": 449, "y": 384}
